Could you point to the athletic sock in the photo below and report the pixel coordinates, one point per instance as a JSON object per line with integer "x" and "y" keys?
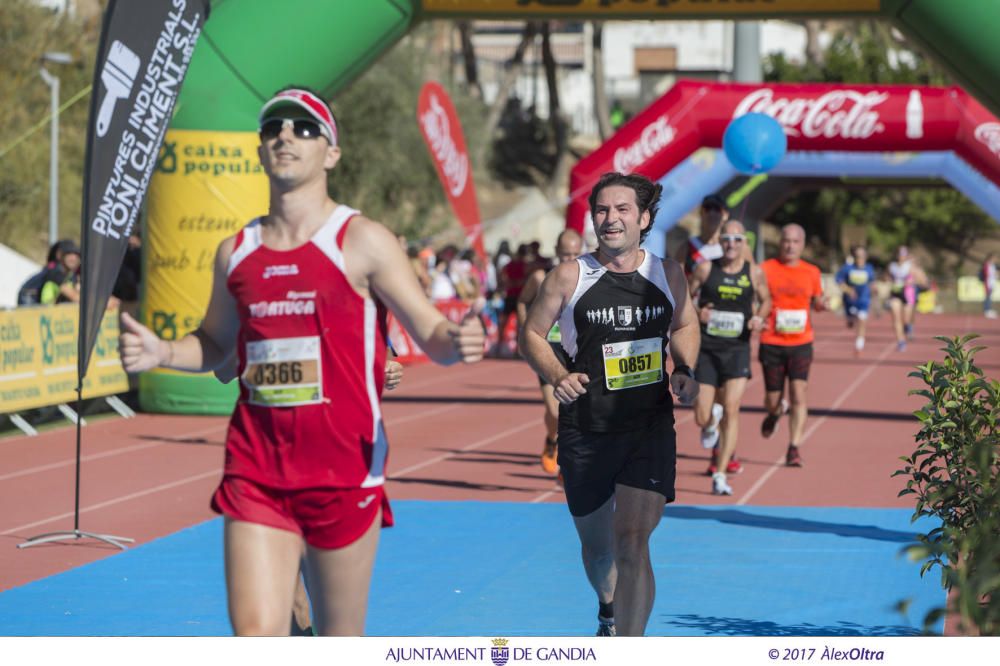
{"x": 859, "y": 343}
{"x": 606, "y": 611}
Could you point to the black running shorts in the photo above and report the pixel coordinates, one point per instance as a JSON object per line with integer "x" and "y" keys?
{"x": 592, "y": 463}
{"x": 779, "y": 361}
{"x": 717, "y": 365}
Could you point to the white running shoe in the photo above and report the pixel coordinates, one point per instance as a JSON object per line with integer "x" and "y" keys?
{"x": 710, "y": 433}
{"x": 719, "y": 485}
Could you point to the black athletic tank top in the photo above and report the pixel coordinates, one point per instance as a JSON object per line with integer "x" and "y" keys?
{"x": 731, "y": 296}
{"x": 615, "y": 330}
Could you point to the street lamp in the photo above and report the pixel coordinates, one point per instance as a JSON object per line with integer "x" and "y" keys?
{"x": 53, "y": 83}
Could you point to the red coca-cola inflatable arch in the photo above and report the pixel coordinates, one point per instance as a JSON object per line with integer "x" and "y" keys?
{"x": 816, "y": 117}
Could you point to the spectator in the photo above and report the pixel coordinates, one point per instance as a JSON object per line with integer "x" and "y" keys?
{"x": 419, "y": 267}
{"x": 988, "y": 274}
{"x": 30, "y": 292}
{"x": 616, "y": 115}
{"x": 512, "y": 279}
{"x": 502, "y": 257}
{"x": 442, "y": 288}
{"x": 62, "y": 284}
{"x": 130, "y": 274}
{"x": 464, "y": 277}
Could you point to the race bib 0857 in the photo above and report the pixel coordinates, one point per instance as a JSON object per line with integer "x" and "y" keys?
{"x": 633, "y": 363}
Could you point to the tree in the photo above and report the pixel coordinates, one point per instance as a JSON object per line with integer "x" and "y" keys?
{"x": 386, "y": 171}
{"x": 499, "y": 105}
{"x": 465, "y": 30}
{"x": 28, "y": 31}
{"x": 939, "y": 219}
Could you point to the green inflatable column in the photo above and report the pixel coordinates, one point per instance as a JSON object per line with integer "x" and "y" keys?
{"x": 961, "y": 36}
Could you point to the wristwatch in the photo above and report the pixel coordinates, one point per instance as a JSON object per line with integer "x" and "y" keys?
{"x": 683, "y": 370}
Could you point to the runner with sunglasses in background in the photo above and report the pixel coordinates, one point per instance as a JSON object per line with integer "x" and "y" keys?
{"x": 705, "y": 247}
{"x": 302, "y": 295}
{"x": 732, "y": 301}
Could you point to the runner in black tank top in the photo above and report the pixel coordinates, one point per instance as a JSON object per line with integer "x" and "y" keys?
{"x": 732, "y": 299}
{"x": 617, "y": 311}
{"x": 615, "y": 331}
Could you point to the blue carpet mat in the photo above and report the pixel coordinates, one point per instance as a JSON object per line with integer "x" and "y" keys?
{"x": 474, "y": 568}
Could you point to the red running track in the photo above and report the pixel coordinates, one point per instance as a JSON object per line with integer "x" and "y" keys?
{"x": 474, "y": 433}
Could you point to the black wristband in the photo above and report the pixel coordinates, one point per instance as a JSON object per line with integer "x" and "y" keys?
{"x": 684, "y": 370}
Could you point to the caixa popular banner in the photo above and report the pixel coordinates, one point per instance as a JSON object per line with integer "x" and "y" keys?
{"x": 206, "y": 187}
{"x": 38, "y": 352}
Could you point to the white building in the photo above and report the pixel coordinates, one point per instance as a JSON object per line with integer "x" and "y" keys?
{"x": 642, "y": 60}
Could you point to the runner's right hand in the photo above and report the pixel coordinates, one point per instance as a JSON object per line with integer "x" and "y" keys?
{"x": 705, "y": 313}
{"x": 571, "y": 387}
{"x": 138, "y": 346}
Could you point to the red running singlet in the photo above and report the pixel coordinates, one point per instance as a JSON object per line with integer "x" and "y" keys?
{"x": 311, "y": 366}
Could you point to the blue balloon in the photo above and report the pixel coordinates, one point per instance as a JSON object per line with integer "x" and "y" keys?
{"x": 754, "y": 143}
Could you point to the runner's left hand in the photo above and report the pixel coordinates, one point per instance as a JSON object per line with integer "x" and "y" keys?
{"x": 684, "y": 387}
{"x": 393, "y": 374}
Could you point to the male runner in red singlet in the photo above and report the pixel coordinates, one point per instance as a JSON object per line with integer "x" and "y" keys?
{"x": 302, "y": 294}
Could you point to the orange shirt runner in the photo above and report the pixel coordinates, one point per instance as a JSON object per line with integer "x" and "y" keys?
{"x": 792, "y": 290}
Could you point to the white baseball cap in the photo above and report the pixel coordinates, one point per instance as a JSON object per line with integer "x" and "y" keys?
{"x": 312, "y": 104}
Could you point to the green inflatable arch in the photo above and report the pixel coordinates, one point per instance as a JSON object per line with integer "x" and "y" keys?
{"x": 208, "y": 183}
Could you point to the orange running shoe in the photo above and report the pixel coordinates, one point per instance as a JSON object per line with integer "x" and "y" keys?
{"x": 549, "y": 453}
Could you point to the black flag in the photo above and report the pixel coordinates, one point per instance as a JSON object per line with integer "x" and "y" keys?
{"x": 146, "y": 46}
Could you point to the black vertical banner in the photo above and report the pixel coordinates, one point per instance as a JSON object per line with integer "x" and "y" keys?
{"x": 146, "y": 47}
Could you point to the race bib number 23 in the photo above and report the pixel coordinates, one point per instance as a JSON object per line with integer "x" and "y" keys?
{"x": 633, "y": 363}
{"x": 283, "y": 372}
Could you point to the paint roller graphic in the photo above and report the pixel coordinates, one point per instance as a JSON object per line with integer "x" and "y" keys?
{"x": 118, "y": 76}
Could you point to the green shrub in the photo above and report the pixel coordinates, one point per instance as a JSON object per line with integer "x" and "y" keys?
{"x": 953, "y": 473}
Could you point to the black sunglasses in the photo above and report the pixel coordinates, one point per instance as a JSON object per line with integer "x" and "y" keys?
{"x": 302, "y": 128}
{"x": 712, "y": 207}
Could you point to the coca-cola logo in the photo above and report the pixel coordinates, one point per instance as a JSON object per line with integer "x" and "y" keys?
{"x": 437, "y": 129}
{"x": 656, "y": 136}
{"x": 847, "y": 114}
{"x": 989, "y": 135}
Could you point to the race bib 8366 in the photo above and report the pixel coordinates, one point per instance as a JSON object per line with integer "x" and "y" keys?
{"x": 285, "y": 372}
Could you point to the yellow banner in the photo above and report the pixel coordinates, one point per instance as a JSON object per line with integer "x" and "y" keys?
{"x": 651, "y": 8}
{"x": 38, "y": 358}
{"x": 206, "y": 187}
{"x": 972, "y": 290}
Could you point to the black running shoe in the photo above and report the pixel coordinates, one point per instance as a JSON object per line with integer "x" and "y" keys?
{"x": 770, "y": 422}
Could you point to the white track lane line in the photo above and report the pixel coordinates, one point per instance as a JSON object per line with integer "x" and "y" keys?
{"x": 475, "y": 445}
{"x": 469, "y": 447}
{"x": 108, "y": 454}
{"x": 118, "y": 500}
{"x": 779, "y": 463}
